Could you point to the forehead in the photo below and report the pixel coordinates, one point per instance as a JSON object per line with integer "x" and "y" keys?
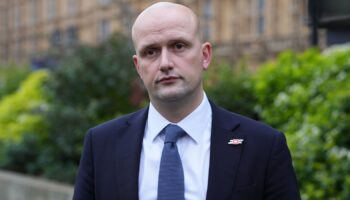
{"x": 163, "y": 25}
{"x": 163, "y": 34}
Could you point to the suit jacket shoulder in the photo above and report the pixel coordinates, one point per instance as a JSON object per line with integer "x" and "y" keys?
{"x": 110, "y": 160}
{"x": 258, "y": 168}
{"x": 106, "y": 128}
{"x": 251, "y": 128}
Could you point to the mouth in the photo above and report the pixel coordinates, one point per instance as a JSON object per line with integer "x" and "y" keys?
{"x": 168, "y": 80}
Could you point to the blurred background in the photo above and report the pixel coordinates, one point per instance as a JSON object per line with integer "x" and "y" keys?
{"x": 65, "y": 66}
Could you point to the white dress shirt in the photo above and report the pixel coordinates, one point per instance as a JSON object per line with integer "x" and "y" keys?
{"x": 194, "y": 150}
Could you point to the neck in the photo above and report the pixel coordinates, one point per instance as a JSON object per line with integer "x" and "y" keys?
{"x": 177, "y": 110}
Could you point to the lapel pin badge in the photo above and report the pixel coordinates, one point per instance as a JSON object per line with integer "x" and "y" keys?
{"x": 236, "y": 141}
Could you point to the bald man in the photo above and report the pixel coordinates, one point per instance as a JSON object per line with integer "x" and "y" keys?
{"x": 182, "y": 146}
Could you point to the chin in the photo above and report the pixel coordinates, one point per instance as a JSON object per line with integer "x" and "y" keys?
{"x": 171, "y": 96}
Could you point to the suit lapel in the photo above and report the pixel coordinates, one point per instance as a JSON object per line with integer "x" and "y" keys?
{"x": 224, "y": 158}
{"x": 128, "y": 151}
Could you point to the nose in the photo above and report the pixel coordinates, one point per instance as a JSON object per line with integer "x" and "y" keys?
{"x": 166, "y": 62}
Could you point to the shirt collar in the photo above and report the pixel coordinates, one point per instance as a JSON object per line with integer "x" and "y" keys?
{"x": 194, "y": 124}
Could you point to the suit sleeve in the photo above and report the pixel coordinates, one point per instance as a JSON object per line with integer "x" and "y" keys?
{"x": 84, "y": 184}
{"x": 281, "y": 182}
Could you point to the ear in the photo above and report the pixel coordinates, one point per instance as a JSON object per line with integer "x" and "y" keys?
{"x": 206, "y": 53}
{"x": 137, "y": 67}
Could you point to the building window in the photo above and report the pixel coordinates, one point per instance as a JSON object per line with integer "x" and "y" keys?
{"x": 3, "y": 19}
{"x": 104, "y": 2}
{"x": 16, "y": 51}
{"x": 55, "y": 39}
{"x": 72, "y": 7}
{"x": 126, "y": 13}
{"x": 16, "y": 16}
{"x": 72, "y": 36}
{"x": 261, "y": 25}
{"x": 3, "y": 56}
{"x": 261, "y": 5}
{"x": 33, "y": 11}
{"x": 208, "y": 15}
{"x": 51, "y": 9}
{"x": 34, "y": 44}
{"x": 261, "y": 19}
{"x": 104, "y": 30}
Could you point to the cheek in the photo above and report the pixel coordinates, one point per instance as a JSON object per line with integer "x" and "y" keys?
{"x": 194, "y": 59}
{"x": 147, "y": 74}
{"x": 194, "y": 65}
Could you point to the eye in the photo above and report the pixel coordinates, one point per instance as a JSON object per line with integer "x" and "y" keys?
{"x": 179, "y": 46}
{"x": 150, "y": 52}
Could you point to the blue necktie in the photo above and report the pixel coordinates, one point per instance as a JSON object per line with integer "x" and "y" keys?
{"x": 171, "y": 176}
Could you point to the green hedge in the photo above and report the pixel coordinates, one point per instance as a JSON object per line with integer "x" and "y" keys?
{"x": 308, "y": 97}
{"x": 11, "y": 76}
{"x": 231, "y": 87}
{"x": 91, "y": 84}
{"x": 21, "y": 118}
{"x": 21, "y": 111}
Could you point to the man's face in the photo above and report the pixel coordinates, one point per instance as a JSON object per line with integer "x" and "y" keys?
{"x": 170, "y": 58}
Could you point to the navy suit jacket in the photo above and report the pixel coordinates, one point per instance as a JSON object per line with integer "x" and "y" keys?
{"x": 259, "y": 168}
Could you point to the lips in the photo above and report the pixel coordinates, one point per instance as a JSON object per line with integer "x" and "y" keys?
{"x": 167, "y": 79}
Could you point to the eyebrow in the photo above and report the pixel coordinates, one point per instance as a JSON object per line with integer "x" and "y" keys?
{"x": 185, "y": 40}
{"x": 147, "y": 46}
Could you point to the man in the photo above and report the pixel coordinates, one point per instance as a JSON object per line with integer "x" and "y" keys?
{"x": 182, "y": 146}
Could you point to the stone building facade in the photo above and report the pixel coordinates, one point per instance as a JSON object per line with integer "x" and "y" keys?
{"x": 257, "y": 29}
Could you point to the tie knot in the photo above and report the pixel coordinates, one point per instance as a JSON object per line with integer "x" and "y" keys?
{"x": 173, "y": 132}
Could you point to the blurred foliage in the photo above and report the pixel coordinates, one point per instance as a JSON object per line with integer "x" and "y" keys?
{"x": 308, "y": 97}
{"x": 21, "y": 113}
{"x": 90, "y": 85}
{"x": 231, "y": 87}
{"x": 11, "y": 76}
